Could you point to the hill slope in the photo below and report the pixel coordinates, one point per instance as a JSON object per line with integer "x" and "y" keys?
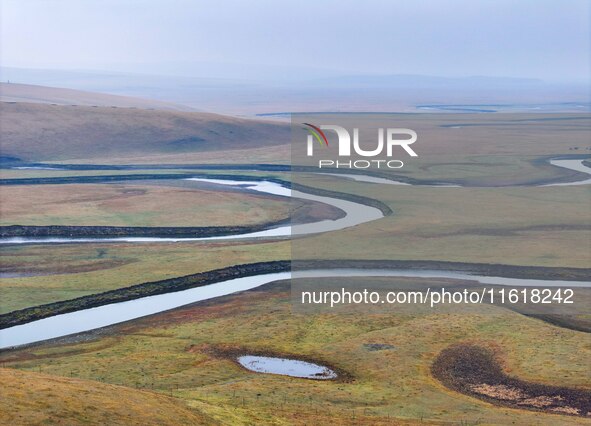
{"x": 54, "y": 95}
{"x": 43, "y": 132}
{"x": 33, "y": 398}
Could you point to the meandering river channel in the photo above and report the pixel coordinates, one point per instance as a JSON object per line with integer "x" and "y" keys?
{"x": 356, "y": 213}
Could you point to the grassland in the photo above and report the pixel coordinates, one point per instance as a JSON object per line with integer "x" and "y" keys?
{"x": 124, "y": 204}
{"x": 69, "y": 271}
{"x": 174, "y": 353}
{"x": 36, "y": 399}
{"x": 179, "y": 170}
{"x": 40, "y": 173}
{"x": 541, "y": 226}
{"x": 486, "y": 149}
{"x": 40, "y": 132}
{"x": 472, "y": 149}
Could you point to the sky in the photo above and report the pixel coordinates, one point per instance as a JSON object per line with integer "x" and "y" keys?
{"x": 545, "y": 39}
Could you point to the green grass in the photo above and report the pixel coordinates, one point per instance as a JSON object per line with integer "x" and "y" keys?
{"x": 69, "y": 271}
{"x": 487, "y": 149}
{"x": 170, "y": 353}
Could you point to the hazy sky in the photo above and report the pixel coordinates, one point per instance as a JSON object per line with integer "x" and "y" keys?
{"x": 548, "y": 39}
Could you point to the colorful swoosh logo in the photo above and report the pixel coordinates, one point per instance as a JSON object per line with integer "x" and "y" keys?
{"x": 317, "y": 133}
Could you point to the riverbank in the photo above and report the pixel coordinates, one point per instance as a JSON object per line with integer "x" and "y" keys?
{"x": 21, "y": 231}
{"x": 154, "y": 288}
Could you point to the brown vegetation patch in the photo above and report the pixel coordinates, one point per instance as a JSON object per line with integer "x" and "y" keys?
{"x": 475, "y": 371}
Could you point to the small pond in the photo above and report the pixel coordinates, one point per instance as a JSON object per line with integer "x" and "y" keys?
{"x": 286, "y": 367}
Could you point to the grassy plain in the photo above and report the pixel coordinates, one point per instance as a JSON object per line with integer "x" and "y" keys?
{"x": 174, "y": 353}
{"x": 68, "y": 271}
{"x": 537, "y": 226}
{"x": 543, "y": 226}
{"x": 133, "y": 204}
{"x": 484, "y": 149}
{"x": 473, "y": 149}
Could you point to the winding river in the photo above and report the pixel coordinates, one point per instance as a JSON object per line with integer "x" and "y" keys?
{"x": 106, "y": 315}
{"x": 355, "y": 213}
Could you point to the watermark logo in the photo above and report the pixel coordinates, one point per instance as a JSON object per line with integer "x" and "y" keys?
{"x": 315, "y": 133}
{"x": 388, "y": 139}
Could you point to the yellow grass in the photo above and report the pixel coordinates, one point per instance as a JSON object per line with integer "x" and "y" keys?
{"x": 37, "y": 399}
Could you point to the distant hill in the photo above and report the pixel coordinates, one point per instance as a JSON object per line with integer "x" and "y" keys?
{"x": 53, "y": 95}
{"x": 228, "y": 90}
{"x": 44, "y": 132}
{"x": 428, "y": 82}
